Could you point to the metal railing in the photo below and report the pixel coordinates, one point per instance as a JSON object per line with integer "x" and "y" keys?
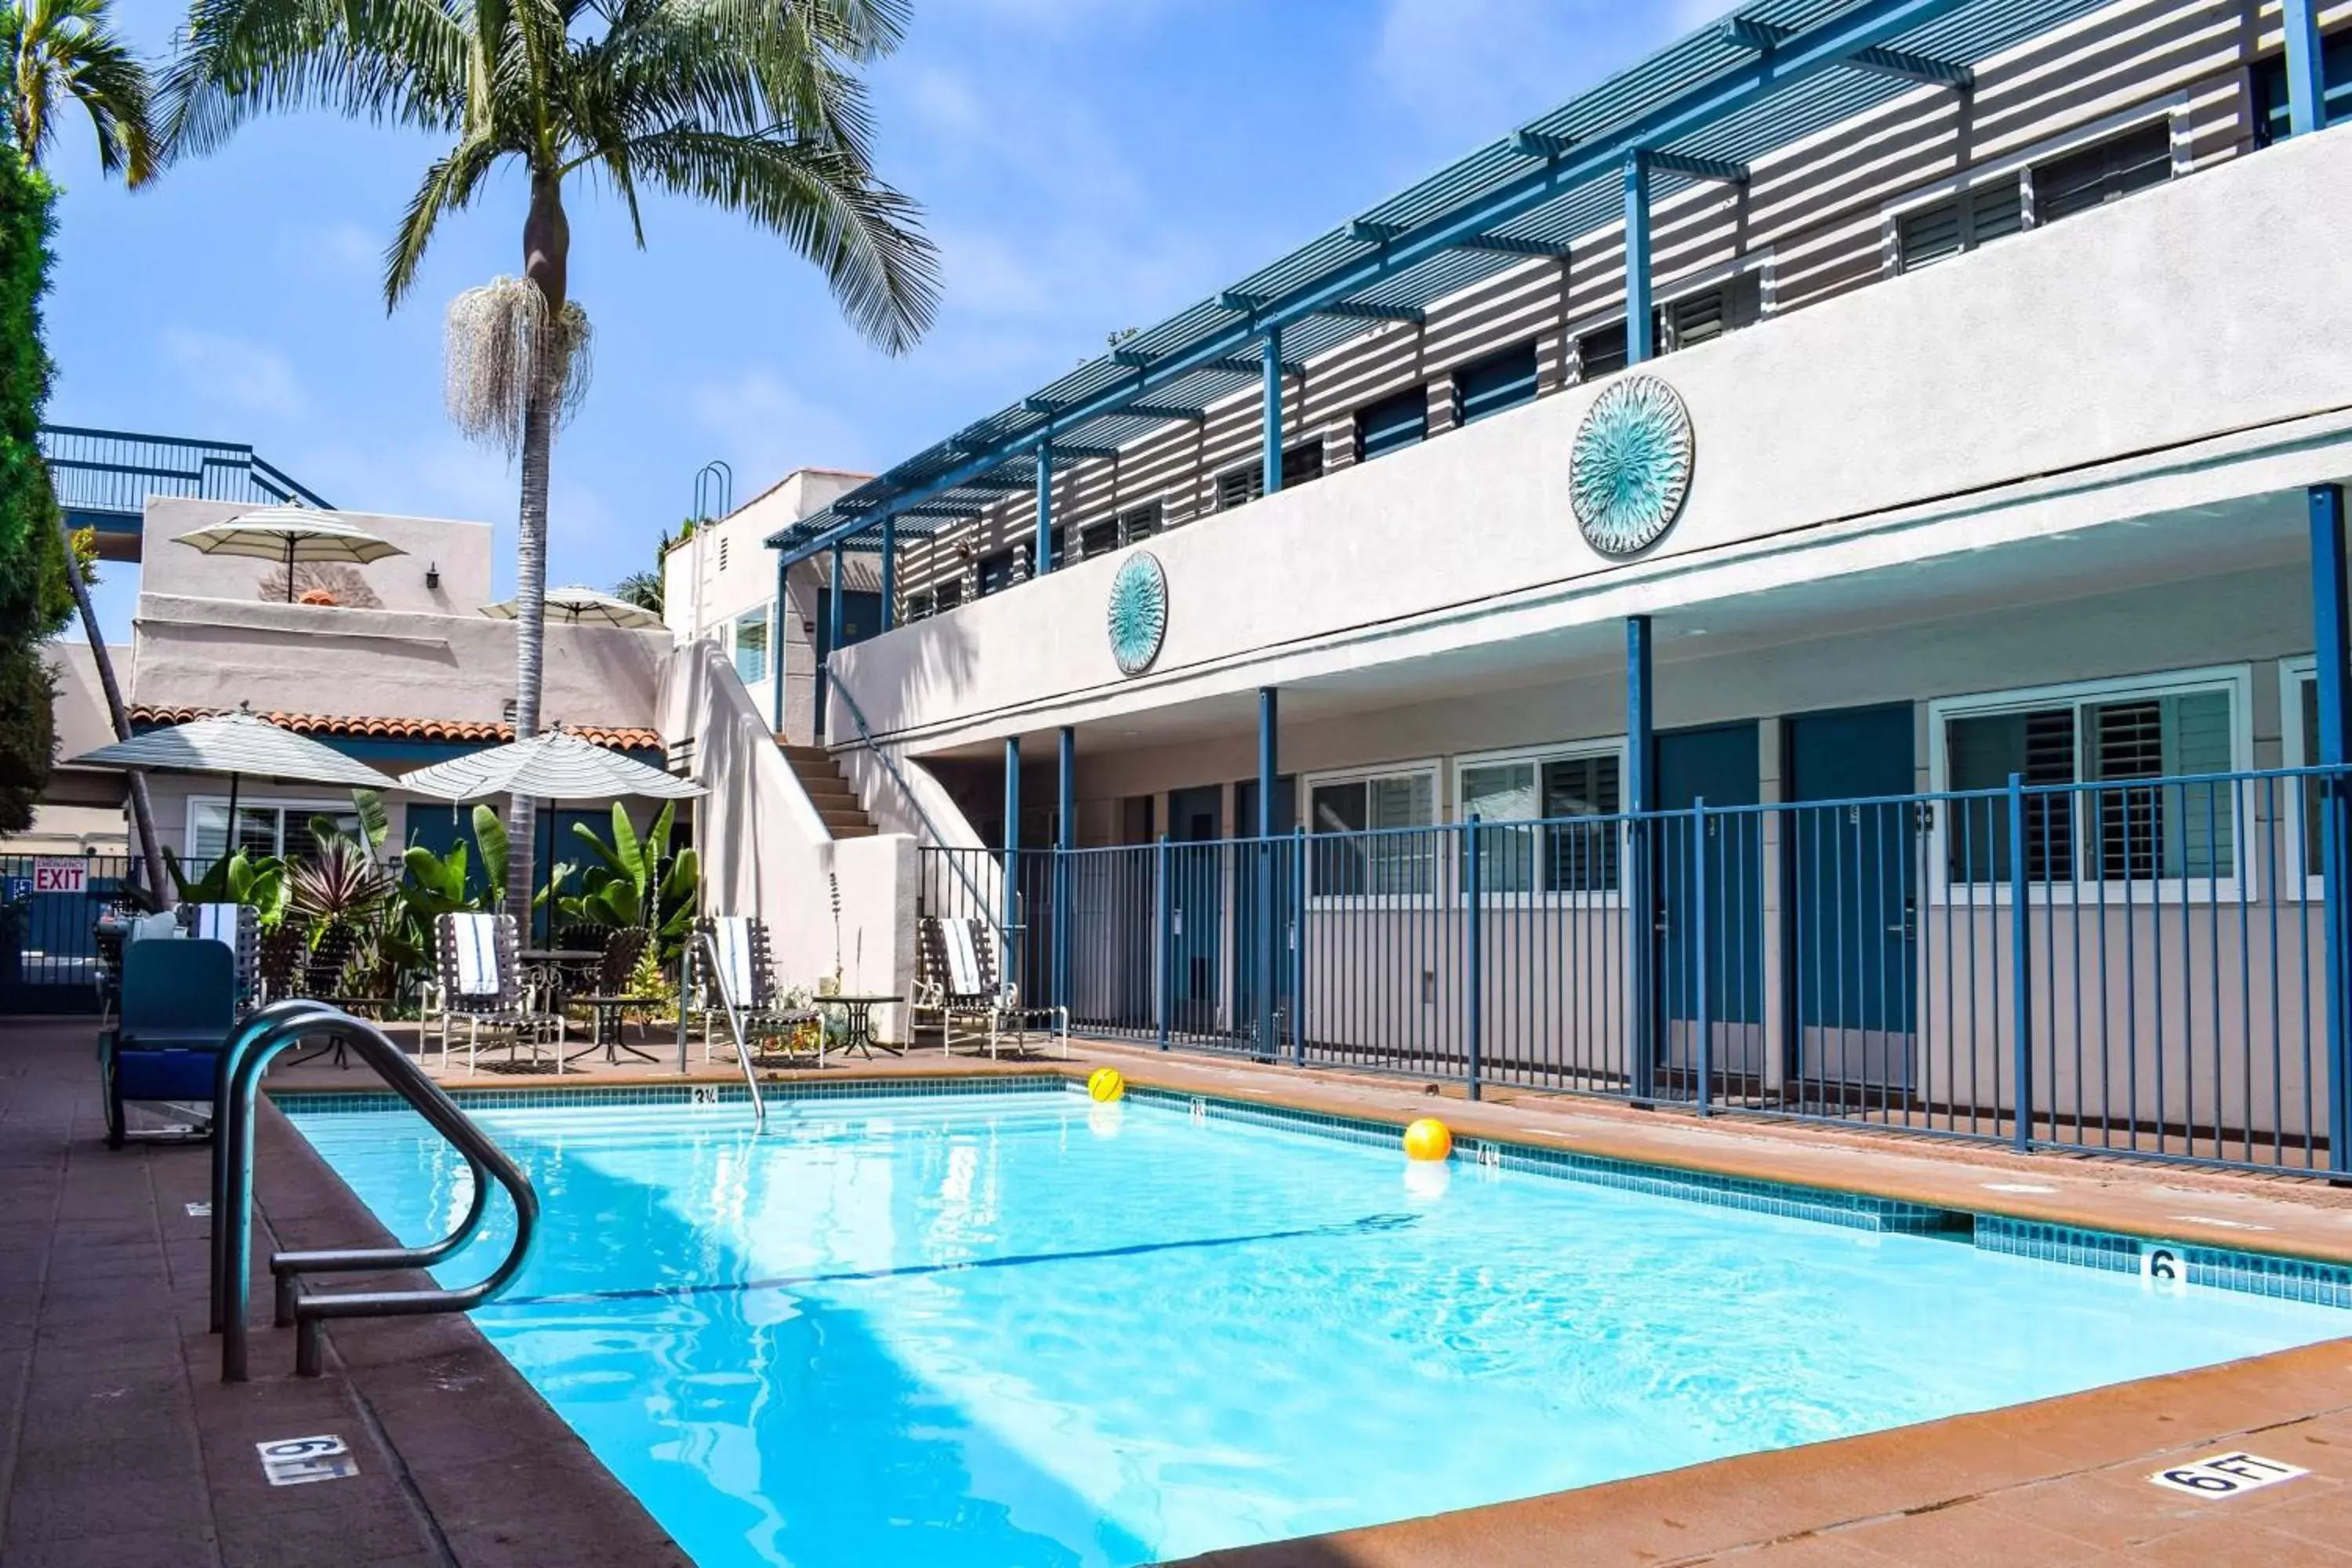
{"x": 700, "y": 954}
{"x": 116, "y": 470}
{"x": 2133, "y": 966}
{"x": 244, "y": 1057}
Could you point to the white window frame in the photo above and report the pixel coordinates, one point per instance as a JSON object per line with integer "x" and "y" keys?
{"x": 2294, "y": 674}
{"x": 2171, "y": 108}
{"x": 735, "y": 648}
{"x": 1537, "y": 756}
{"x": 1431, "y": 768}
{"x": 2236, "y": 679}
{"x": 331, "y": 806}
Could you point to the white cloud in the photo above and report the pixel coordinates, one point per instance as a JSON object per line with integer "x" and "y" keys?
{"x": 236, "y": 373}
{"x": 767, "y": 428}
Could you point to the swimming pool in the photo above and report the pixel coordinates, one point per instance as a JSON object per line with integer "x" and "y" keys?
{"x": 977, "y": 1329}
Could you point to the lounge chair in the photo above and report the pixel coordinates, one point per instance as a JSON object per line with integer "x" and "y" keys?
{"x": 958, "y": 984}
{"x": 739, "y": 978}
{"x": 480, "y": 984}
{"x": 178, "y": 1004}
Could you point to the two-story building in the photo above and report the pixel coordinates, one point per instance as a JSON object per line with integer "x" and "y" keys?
{"x": 1849, "y": 506}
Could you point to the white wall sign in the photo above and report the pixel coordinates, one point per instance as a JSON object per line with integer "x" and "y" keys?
{"x": 2219, "y": 1476}
{"x": 59, "y": 874}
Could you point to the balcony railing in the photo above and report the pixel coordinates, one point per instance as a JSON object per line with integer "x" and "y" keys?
{"x": 2130, "y": 968}
{"x": 112, "y": 472}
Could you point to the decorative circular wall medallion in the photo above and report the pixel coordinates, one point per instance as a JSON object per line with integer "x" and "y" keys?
{"x": 1138, "y": 613}
{"x": 1631, "y": 466}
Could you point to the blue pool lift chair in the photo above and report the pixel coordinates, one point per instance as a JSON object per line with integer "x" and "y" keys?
{"x": 179, "y": 1003}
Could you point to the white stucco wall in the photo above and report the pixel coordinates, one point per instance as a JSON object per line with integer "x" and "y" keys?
{"x": 2211, "y": 311}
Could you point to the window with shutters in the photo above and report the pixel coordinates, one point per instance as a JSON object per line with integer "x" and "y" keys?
{"x": 1541, "y": 847}
{"x": 1394, "y": 422}
{"x": 1302, "y": 464}
{"x": 919, "y": 607}
{"x": 2139, "y": 816}
{"x": 1370, "y": 838}
{"x": 1990, "y": 210}
{"x": 1240, "y": 486}
{"x": 2104, "y": 172}
{"x": 752, "y": 645}
{"x": 1500, "y": 381}
{"x": 1244, "y": 483}
{"x": 949, "y": 594}
{"x": 1601, "y": 351}
{"x": 2300, "y": 799}
{"x": 1098, "y": 539}
{"x": 1139, "y": 523}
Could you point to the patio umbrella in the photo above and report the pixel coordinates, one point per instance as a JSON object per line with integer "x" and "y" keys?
{"x": 236, "y": 746}
{"x": 288, "y": 534}
{"x": 553, "y": 766}
{"x": 580, "y": 607}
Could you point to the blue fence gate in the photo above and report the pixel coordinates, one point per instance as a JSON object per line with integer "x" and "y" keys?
{"x": 49, "y": 929}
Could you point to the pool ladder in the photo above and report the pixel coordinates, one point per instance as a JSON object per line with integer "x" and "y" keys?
{"x": 704, "y": 954}
{"x": 244, "y": 1056}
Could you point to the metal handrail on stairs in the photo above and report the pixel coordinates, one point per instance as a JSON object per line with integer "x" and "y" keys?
{"x": 865, "y": 736}
{"x": 244, "y": 1056}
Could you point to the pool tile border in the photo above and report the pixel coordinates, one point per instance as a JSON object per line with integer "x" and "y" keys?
{"x": 2260, "y": 1274}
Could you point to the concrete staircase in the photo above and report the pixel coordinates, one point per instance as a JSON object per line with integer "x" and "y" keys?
{"x": 828, "y": 790}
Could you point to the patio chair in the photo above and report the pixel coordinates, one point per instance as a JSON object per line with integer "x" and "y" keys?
{"x": 739, "y": 977}
{"x": 238, "y": 925}
{"x": 178, "y": 1004}
{"x": 959, "y": 985}
{"x": 611, "y": 995}
{"x": 480, "y": 984}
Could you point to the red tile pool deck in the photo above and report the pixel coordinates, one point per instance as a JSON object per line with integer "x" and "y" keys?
{"x": 119, "y": 1446}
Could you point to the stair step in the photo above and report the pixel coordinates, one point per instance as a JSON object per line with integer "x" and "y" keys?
{"x": 827, "y": 789}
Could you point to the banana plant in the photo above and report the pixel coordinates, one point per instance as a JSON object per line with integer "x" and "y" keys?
{"x": 239, "y": 879}
{"x": 634, "y": 882}
{"x": 435, "y": 885}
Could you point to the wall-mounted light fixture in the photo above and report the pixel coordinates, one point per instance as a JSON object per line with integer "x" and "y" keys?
{"x": 432, "y": 575}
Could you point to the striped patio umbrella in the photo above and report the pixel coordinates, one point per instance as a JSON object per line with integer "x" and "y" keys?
{"x": 580, "y": 607}
{"x": 236, "y": 746}
{"x": 553, "y": 766}
{"x": 289, "y": 535}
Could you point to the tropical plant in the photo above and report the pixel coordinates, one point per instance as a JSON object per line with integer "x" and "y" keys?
{"x": 634, "y": 882}
{"x": 643, "y": 589}
{"x": 67, "y": 50}
{"x": 338, "y": 884}
{"x": 757, "y": 108}
{"x": 435, "y": 885}
{"x": 259, "y": 880}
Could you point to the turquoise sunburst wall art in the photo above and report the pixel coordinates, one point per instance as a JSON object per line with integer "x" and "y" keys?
{"x": 1138, "y": 613}
{"x": 1631, "y": 466}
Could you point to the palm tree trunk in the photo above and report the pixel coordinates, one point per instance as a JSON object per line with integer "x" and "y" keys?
{"x": 546, "y": 250}
{"x": 142, "y": 810}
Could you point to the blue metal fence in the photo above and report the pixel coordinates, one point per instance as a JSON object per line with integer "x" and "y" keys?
{"x": 49, "y": 939}
{"x": 2131, "y": 966}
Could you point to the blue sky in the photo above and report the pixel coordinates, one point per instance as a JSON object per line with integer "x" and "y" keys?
{"x": 1085, "y": 165}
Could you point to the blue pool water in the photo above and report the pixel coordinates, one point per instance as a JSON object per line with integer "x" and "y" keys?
{"x": 984, "y": 1330}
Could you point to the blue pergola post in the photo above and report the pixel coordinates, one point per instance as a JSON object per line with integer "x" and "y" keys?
{"x": 1641, "y": 894}
{"x": 1639, "y": 329}
{"x": 1273, "y": 417}
{"x": 889, "y": 572}
{"x": 1009, "y": 913}
{"x": 776, "y": 636}
{"x": 2306, "y": 71}
{"x": 1041, "y": 555}
{"x": 1065, "y": 840}
{"x": 1268, "y": 770}
{"x": 2331, "y": 625}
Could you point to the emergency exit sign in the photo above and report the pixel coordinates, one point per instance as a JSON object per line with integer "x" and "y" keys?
{"x": 57, "y": 874}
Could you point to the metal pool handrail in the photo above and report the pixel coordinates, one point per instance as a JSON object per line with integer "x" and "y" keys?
{"x": 709, "y": 957}
{"x": 244, "y": 1058}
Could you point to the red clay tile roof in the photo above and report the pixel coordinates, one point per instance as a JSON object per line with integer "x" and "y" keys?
{"x": 469, "y": 730}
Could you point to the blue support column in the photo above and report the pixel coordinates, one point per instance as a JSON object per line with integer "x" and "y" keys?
{"x": 1041, "y": 556}
{"x": 1268, "y": 932}
{"x": 1640, "y": 330}
{"x": 1273, "y": 416}
{"x": 2331, "y": 624}
{"x": 1009, "y": 912}
{"x": 776, "y": 638}
{"x": 2306, "y": 74}
{"x": 889, "y": 572}
{"x": 1065, "y": 840}
{"x": 1641, "y": 890}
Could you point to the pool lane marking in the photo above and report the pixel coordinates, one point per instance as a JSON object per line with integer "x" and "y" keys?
{"x": 1368, "y": 1225}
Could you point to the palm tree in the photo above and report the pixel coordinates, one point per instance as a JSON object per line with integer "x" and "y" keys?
{"x": 66, "y": 49}
{"x": 59, "y": 49}
{"x": 751, "y": 105}
{"x": 643, "y": 589}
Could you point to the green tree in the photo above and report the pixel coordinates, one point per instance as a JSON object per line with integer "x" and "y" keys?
{"x": 60, "y": 49}
{"x": 755, "y": 106}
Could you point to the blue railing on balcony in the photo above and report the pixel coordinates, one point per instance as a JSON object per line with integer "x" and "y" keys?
{"x": 103, "y": 478}
{"x": 2132, "y": 967}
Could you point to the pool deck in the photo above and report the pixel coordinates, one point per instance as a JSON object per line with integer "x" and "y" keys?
{"x": 118, "y": 1446}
